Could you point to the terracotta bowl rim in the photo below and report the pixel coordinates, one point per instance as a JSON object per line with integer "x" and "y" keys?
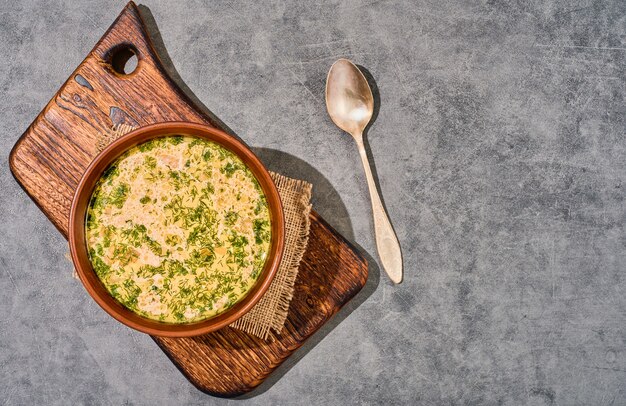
{"x": 78, "y": 246}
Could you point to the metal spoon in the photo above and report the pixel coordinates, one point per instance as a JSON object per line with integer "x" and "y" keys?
{"x": 350, "y": 104}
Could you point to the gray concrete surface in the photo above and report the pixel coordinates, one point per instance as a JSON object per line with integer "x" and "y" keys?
{"x": 500, "y": 152}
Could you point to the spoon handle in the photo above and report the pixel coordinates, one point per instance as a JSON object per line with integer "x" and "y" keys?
{"x": 386, "y": 240}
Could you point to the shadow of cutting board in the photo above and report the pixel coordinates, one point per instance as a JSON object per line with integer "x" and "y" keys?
{"x": 50, "y": 158}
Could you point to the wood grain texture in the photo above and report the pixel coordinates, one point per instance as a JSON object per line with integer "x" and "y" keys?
{"x": 50, "y": 158}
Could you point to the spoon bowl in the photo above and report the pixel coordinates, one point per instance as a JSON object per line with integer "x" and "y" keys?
{"x": 348, "y": 97}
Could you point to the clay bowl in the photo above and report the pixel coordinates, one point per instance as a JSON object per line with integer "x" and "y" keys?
{"x": 78, "y": 244}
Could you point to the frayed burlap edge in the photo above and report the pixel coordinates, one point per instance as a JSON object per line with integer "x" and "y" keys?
{"x": 116, "y": 132}
{"x": 271, "y": 311}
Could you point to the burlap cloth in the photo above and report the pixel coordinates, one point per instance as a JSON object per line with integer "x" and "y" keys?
{"x": 271, "y": 311}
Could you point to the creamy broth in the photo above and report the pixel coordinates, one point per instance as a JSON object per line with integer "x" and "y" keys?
{"x": 178, "y": 229}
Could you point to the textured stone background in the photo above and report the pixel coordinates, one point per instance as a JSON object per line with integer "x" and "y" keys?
{"x": 500, "y": 150}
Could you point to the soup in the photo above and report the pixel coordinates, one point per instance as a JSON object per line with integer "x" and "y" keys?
{"x": 178, "y": 229}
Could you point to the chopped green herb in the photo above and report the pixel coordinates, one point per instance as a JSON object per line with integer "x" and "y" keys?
{"x": 230, "y": 168}
{"x": 150, "y": 162}
{"x": 175, "y": 140}
{"x": 230, "y": 218}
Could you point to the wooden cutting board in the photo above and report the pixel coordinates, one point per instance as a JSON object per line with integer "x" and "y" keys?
{"x": 51, "y": 156}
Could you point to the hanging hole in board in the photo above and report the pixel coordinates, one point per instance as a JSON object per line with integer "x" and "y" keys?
{"x": 124, "y": 60}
